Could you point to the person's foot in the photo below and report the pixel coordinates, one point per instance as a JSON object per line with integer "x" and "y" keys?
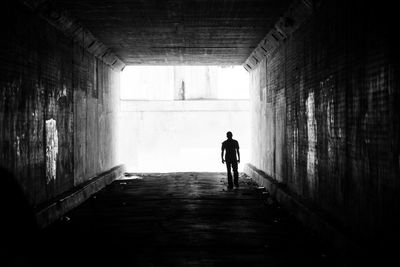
{"x": 237, "y": 185}
{"x": 230, "y": 186}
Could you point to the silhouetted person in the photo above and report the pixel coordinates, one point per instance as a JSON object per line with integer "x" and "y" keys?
{"x": 231, "y": 147}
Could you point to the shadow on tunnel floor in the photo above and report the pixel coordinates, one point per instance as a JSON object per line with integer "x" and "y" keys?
{"x": 180, "y": 219}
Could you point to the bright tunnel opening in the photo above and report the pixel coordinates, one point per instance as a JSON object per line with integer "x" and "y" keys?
{"x": 174, "y": 118}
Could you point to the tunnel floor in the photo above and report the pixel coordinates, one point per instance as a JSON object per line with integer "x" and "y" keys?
{"x": 182, "y": 219}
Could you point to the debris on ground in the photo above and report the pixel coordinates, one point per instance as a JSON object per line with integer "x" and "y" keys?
{"x": 130, "y": 176}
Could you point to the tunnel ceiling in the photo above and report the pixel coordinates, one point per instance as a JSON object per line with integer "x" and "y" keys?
{"x": 217, "y": 32}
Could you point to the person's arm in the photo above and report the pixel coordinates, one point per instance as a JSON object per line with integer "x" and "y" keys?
{"x": 238, "y": 153}
{"x": 222, "y": 154}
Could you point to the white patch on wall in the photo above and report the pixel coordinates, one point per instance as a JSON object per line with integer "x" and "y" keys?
{"x": 51, "y": 149}
{"x": 312, "y": 160}
{"x": 295, "y": 152}
{"x": 17, "y": 147}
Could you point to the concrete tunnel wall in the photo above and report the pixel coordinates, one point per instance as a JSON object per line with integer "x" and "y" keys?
{"x": 323, "y": 105}
{"x": 324, "y": 114}
{"x": 58, "y": 106}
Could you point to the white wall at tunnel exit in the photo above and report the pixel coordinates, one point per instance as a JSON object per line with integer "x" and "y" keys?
{"x": 169, "y": 136}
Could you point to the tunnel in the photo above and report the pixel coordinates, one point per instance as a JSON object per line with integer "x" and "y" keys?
{"x": 94, "y": 175}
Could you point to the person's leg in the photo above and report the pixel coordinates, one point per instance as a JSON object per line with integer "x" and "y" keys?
{"x": 228, "y": 168}
{"x": 235, "y": 174}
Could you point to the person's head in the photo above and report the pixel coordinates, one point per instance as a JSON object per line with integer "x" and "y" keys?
{"x": 229, "y": 135}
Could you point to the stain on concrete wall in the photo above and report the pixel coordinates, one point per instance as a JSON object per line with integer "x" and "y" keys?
{"x": 328, "y": 127}
{"x": 51, "y": 149}
{"x": 56, "y": 131}
{"x": 312, "y": 159}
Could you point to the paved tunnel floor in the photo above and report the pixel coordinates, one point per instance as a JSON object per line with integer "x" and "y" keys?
{"x": 181, "y": 219}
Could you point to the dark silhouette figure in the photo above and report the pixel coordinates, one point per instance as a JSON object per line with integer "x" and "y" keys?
{"x": 231, "y": 147}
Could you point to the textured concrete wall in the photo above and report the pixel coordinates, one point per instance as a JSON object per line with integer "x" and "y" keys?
{"x": 57, "y": 107}
{"x": 324, "y": 116}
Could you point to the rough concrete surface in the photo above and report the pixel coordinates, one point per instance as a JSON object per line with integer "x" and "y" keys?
{"x": 176, "y": 31}
{"x": 53, "y": 210}
{"x": 182, "y": 219}
{"x": 324, "y": 119}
